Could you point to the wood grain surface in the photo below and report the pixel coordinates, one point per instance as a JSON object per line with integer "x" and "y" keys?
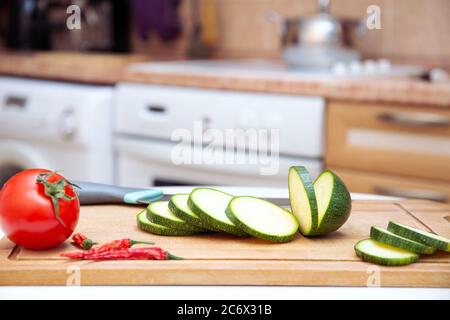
{"x": 346, "y": 148}
{"x": 100, "y": 68}
{"x": 214, "y": 259}
{"x": 404, "y": 92}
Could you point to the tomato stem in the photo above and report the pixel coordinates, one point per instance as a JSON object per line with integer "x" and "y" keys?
{"x": 55, "y": 191}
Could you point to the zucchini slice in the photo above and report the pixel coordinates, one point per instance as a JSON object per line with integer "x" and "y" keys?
{"x": 262, "y": 219}
{"x": 334, "y": 203}
{"x": 303, "y": 199}
{"x": 178, "y": 205}
{"x": 424, "y": 237}
{"x": 210, "y": 205}
{"x": 384, "y": 254}
{"x": 387, "y": 237}
{"x": 158, "y": 212}
{"x": 148, "y": 226}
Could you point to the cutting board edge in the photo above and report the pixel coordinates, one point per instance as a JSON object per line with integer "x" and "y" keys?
{"x": 357, "y": 274}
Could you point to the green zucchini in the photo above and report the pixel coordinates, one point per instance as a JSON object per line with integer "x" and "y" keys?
{"x": 384, "y": 254}
{"x": 303, "y": 199}
{"x": 387, "y": 237}
{"x": 334, "y": 203}
{"x": 426, "y": 238}
{"x": 158, "y": 212}
{"x": 178, "y": 204}
{"x": 148, "y": 226}
{"x": 262, "y": 219}
{"x": 210, "y": 205}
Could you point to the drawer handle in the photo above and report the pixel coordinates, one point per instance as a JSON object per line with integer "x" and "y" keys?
{"x": 411, "y": 193}
{"x": 156, "y": 109}
{"x": 15, "y": 102}
{"x": 414, "y": 119}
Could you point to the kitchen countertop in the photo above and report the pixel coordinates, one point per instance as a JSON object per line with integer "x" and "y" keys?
{"x": 108, "y": 69}
{"x": 105, "y": 69}
{"x": 403, "y": 90}
{"x": 224, "y": 292}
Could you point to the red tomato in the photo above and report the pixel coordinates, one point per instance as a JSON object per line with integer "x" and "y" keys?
{"x": 28, "y": 216}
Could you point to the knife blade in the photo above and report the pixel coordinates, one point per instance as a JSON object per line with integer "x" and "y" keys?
{"x": 97, "y": 193}
{"x": 90, "y": 193}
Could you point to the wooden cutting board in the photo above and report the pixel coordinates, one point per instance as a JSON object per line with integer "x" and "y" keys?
{"x": 225, "y": 260}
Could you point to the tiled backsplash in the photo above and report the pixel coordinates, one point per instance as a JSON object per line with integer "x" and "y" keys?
{"x": 412, "y": 30}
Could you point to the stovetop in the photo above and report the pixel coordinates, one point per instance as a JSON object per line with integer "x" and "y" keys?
{"x": 275, "y": 69}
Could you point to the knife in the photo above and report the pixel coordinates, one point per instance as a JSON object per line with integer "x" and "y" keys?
{"x": 97, "y": 193}
{"x": 90, "y": 193}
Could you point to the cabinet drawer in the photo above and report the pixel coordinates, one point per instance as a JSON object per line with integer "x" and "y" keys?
{"x": 359, "y": 181}
{"x": 167, "y": 112}
{"x": 389, "y": 139}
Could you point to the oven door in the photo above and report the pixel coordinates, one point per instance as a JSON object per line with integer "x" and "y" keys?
{"x": 144, "y": 163}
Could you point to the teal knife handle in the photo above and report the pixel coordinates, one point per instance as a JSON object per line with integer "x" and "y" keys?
{"x": 97, "y": 193}
{"x": 142, "y": 195}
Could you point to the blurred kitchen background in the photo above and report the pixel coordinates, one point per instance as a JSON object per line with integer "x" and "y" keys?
{"x": 371, "y": 101}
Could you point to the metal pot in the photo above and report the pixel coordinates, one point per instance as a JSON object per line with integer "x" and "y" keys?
{"x": 317, "y": 41}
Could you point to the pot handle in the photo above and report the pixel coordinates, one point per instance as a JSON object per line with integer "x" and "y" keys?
{"x": 274, "y": 17}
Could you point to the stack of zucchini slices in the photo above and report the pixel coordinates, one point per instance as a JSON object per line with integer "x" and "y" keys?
{"x": 211, "y": 210}
{"x": 317, "y": 208}
{"x": 399, "y": 245}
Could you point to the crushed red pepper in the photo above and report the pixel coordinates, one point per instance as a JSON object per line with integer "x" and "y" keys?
{"x": 153, "y": 253}
{"x": 121, "y": 250}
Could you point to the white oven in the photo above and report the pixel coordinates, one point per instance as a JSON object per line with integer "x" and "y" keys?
{"x": 146, "y": 117}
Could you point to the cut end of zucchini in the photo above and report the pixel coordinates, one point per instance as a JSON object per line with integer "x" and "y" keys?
{"x": 323, "y": 187}
{"x": 262, "y": 219}
{"x": 380, "y": 253}
{"x": 387, "y": 237}
{"x": 333, "y": 202}
{"x": 321, "y": 207}
{"x": 303, "y": 199}
{"x": 421, "y": 236}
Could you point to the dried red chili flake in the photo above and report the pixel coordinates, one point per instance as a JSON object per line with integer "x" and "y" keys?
{"x": 82, "y": 242}
{"x": 153, "y": 253}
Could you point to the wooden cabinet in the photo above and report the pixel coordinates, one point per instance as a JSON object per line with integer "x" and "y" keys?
{"x": 389, "y": 139}
{"x": 390, "y": 149}
{"x": 391, "y": 185}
